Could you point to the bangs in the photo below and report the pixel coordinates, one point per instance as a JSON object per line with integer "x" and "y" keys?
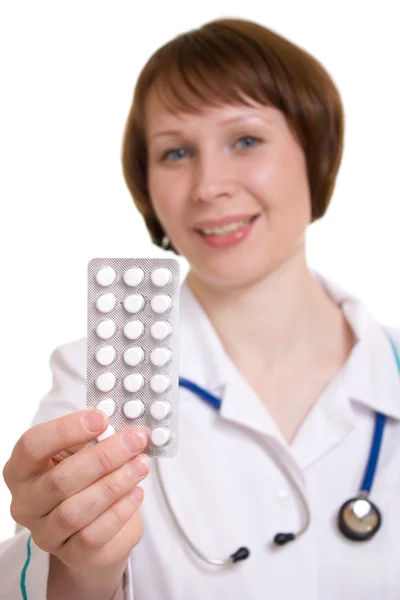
{"x": 237, "y": 62}
{"x": 195, "y": 72}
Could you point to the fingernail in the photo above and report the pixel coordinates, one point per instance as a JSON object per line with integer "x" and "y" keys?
{"x": 136, "y": 494}
{"x": 139, "y": 466}
{"x": 134, "y": 441}
{"x": 94, "y": 420}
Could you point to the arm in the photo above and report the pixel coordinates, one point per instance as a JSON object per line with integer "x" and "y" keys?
{"x": 68, "y": 394}
{"x": 65, "y": 584}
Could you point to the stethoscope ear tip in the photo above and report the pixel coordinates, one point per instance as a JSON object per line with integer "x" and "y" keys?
{"x": 283, "y": 538}
{"x": 240, "y": 554}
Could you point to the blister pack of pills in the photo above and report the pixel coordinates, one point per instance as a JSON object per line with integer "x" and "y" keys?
{"x": 132, "y": 347}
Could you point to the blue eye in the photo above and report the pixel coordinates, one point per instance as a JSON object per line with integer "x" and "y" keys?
{"x": 174, "y": 151}
{"x": 171, "y": 152}
{"x": 248, "y": 137}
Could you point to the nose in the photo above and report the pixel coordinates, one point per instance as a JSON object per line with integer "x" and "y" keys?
{"x": 212, "y": 178}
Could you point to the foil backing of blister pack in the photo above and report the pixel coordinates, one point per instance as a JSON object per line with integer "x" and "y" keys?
{"x": 120, "y": 316}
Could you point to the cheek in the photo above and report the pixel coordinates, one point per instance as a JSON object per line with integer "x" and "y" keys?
{"x": 166, "y": 195}
{"x": 282, "y": 186}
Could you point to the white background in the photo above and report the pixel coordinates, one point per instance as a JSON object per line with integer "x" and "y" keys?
{"x": 67, "y": 77}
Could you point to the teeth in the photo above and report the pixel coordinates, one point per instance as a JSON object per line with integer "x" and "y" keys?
{"x": 229, "y": 228}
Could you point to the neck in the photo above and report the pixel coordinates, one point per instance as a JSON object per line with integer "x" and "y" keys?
{"x": 286, "y": 318}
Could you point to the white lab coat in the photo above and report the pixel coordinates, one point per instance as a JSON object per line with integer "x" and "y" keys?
{"x": 228, "y": 492}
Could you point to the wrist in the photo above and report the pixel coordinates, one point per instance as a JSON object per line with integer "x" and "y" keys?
{"x": 104, "y": 583}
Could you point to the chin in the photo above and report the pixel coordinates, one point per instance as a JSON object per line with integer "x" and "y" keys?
{"x": 228, "y": 273}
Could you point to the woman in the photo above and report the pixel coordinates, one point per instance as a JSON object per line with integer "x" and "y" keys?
{"x": 231, "y": 149}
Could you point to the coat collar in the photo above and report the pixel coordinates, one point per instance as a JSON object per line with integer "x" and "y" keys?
{"x": 370, "y": 377}
{"x": 202, "y": 358}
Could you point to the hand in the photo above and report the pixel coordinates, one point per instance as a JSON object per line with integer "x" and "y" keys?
{"x": 79, "y": 502}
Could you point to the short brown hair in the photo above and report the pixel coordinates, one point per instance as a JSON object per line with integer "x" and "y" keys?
{"x": 220, "y": 62}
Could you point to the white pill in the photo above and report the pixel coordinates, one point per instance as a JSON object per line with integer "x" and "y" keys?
{"x": 133, "y": 382}
{"x": 160, "y": 383}
{"x": 134, "y": 303}
{"x": 161, "y": 304}
{"x": 106, "y": 329}
{"x": 106, "y": 302}
{"x": 105, "y": 382}
{"x": 106, "y": 276}
{"x": 133, "y": 277}
{"x": 108, "y": 406}
{"x": 160, "y": 330}
{"x": 133, "y": 330}
{"x": 133, "y": 409}
{"x": 133, "y": 356}
{"x": 160, "y": 409}
{"x": 160, "y": 356}
{"x": 160, "y": 436}
{"x": 109, "y": 431}
{"x": 106, "y": 355}
{"x": 161, "y": 277}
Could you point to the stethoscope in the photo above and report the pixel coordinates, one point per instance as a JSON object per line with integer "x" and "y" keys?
{"x": 358, "y": 519}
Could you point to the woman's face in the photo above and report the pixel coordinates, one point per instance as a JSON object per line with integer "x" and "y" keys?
{"x": 229, "y": 187}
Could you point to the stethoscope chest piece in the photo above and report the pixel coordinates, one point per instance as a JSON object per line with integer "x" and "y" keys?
{"x": 359, "y": 519}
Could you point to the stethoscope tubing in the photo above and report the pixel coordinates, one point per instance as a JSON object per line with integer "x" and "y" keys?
{"x": 370, "y": 470}
{"x": 380, "y": 421}
{"x": 283, "y": 538}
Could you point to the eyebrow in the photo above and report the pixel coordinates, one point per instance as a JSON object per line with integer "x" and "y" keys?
{"x": 225, "y": 122}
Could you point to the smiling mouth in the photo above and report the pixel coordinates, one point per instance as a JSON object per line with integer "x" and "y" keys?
{"x": 226, "y": 229}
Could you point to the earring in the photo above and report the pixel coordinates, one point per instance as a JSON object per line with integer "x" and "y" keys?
{"x": 165, "y": 242}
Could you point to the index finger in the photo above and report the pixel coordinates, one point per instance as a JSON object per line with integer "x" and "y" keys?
{"x": 36, "y": 446}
